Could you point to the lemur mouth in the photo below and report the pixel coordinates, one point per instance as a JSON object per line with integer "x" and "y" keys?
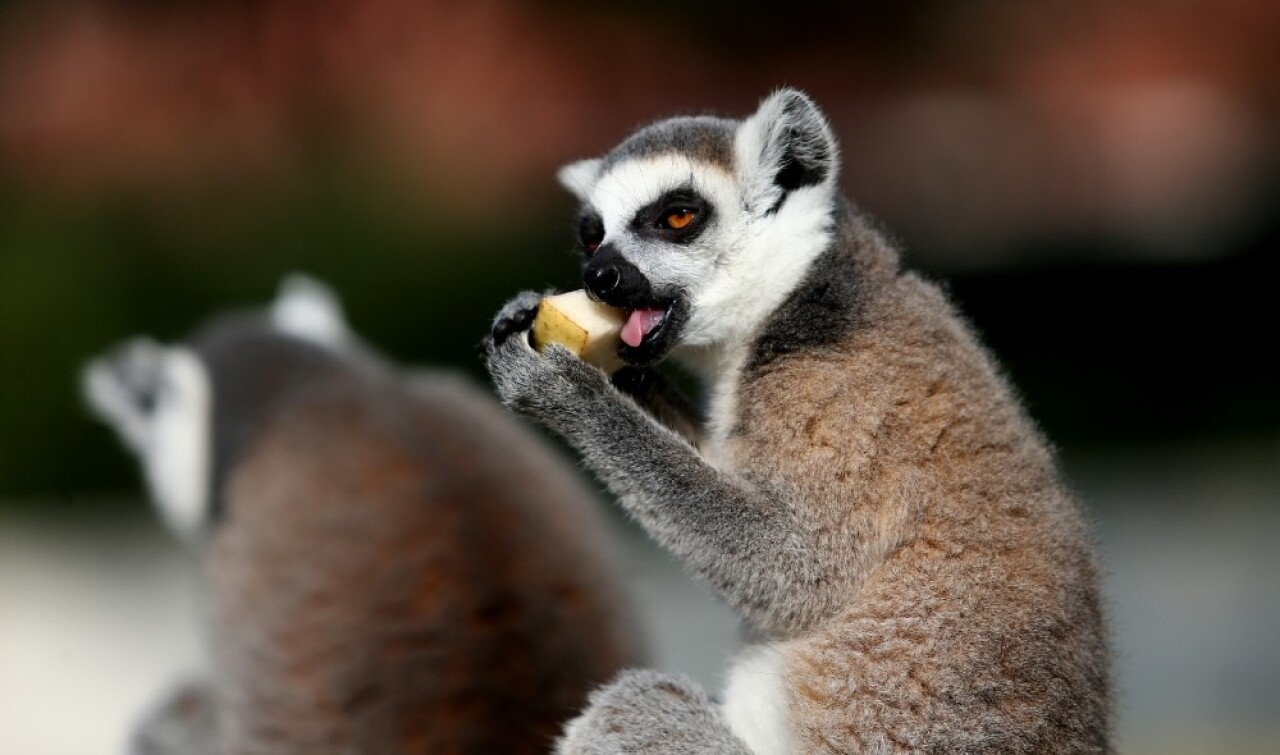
{"x": 641, "y": 323}
{"x": 650, "y": 331}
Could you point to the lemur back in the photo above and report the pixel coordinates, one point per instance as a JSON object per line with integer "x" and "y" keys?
{"x": 863, "y": 486}
{"x": 392, "y": 565}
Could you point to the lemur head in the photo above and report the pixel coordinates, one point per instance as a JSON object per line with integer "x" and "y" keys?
{"x": 700, "y": 226}
{"x": 186, "y": 409}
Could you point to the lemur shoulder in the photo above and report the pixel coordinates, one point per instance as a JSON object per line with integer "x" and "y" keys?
{"x": 865, "y": 488}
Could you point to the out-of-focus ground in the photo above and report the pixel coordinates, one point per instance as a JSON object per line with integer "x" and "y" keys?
{"x": 1097, "y": 182}
{"x": 101, "y": 614}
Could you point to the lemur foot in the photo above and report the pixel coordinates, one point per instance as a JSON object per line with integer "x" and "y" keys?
{"x": 646, "y": 713}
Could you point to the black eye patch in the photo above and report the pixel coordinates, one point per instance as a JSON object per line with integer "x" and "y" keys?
{"x": 590, "y": 232}
{"x": 678, "y": 217}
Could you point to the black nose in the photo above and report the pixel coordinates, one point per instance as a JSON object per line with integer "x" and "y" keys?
{"x": 602, "y": 280}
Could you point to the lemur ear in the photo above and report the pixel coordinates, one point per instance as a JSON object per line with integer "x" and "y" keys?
{"x": 579, "y": 177}
{"x": 786, "y": 145}
{"x": 308, "y": 309}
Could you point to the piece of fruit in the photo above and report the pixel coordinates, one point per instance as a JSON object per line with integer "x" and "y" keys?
{"x": 582, "y": 325}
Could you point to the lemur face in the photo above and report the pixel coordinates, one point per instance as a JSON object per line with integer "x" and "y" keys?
{"x": 165, "y": 401}
{"x": 698, "y": 226}
{"x": 158, "y": 400}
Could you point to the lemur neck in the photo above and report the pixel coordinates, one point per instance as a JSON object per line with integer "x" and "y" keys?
{"x": 775, "y": 258}
{"x": 784, "y": 269}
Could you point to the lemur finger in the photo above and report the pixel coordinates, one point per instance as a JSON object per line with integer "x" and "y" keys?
{"x": 505, "y": 327}
{"x": 516, "y": 315}
{"x": 570, "y": 366}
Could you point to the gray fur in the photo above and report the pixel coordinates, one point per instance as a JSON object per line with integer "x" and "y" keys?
{"x": 184, "y": 723}
{"x": 732, "y": 532}
{"x": 648, "y": 713}
{"x": 662, "y": 399}
{"x": 252, "y": 370}
{"x": 875, "y": 504}
{"x": 704, "y": 138}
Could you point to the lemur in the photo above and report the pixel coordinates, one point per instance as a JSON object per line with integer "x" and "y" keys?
{"x": 864, "y": 488}
{"x": 392, "y": 563}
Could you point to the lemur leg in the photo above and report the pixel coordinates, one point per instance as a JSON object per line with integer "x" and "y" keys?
{"x": 741, "y": 540}
{"x": 646, "y": 713}
{"x": 184, "y": 723}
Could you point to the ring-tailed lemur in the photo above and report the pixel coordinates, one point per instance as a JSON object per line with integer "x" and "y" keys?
{"x": 392, "y": 564}
{"x": 866, "y": 490}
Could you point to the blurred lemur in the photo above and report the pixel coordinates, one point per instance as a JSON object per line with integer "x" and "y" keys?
{"x": 865, "y": 489}
{"x": 392, "y": 565}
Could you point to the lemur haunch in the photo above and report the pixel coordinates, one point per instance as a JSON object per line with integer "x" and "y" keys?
{"x": 392, "y": 564}
{"x": 865, "y": 489}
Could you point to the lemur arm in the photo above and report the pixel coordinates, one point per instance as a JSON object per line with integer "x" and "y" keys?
{"x": 740, "y": 539}
{"x": 653, "y": 391}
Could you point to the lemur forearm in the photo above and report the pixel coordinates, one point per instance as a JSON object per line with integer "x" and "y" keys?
{"x": 741, "y": 539}
{"x": 662, "y": 399}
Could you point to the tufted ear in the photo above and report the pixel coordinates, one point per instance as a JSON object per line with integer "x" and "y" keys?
{"x": 579, "y": 177}
{"x": 308, "y": 309}
{"x": 786, "y": 145}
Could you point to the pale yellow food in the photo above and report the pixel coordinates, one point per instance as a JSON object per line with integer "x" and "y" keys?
{"x": 582, "y": 325}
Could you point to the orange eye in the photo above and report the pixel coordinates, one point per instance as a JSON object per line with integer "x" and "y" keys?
{"x": 680, "y": 218}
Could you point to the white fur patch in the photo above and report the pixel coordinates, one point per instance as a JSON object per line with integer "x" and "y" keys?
{"x": 755, "y": 701}
{"x": 178, "y": 452}
{"x": 632, "y": 184}
{"x": 306, "y": 308}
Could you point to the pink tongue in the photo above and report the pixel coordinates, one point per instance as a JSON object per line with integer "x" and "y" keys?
{"x": 639, "y": 324}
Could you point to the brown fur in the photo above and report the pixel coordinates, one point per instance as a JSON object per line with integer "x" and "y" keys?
{"x": 403, "y": 570}
{"x": 958, "y": 609}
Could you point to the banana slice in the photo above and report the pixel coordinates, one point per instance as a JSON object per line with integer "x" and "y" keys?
{"x": 582, "y": 325}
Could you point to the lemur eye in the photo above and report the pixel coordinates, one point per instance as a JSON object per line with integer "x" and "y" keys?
{"x": 590, "y": 232}
{"x": 679, "y": 218}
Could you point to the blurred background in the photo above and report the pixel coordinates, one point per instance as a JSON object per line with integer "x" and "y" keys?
{"x": 1098, "y": 183}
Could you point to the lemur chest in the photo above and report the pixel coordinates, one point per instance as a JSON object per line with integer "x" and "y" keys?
{"x": 756, "y": 701}
{"x": 722, "y": 420}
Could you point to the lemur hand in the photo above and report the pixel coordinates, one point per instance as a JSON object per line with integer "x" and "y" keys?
{"x": 552, "y": 386}
{"x": 647, "y": 713}
{"x": 516, "y": 316}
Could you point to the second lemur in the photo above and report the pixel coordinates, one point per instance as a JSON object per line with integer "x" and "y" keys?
{"x": 864, "y": 488}
{"x": 389, "y": 563}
